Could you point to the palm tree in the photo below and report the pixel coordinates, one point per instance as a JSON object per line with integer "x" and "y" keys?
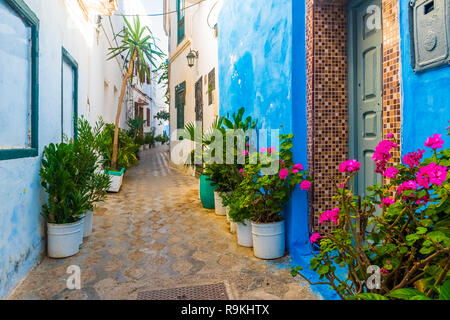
{"x": 138, "y": 47}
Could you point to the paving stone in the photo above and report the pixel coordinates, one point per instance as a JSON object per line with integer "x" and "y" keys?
{"x": 154, "y": 234}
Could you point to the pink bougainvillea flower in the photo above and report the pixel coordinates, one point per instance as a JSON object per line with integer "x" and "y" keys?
{"x": 245, "y": 153}
{"x": 407, "y": 185}
{"x": 382, "y": 154}
{"x": 390, "y": 172}
{"x": 434, "y": 142}
{"x": 387, "y": 202}
{"x": 390, "y": 135}
{"x": 384, "y": 271}
{"x": 247, "y": 144}
{"x": 263, "y": 150}
{"x": 295, "y": 171}
{"x": 330, "y": 215}
{"x": 297, "y": 166}
{"x": 284, "y": 173}
{"x": 412, "y": 159}
{"x": 271, "y": 149}
{"x": 423, "y": 201}
{"x": 314, "y": 237}
{"x": 432, "y": 174}
{"x": 305, "y": 185}
{"x": 349, "y": 166}
{"x": 242, "y": 172}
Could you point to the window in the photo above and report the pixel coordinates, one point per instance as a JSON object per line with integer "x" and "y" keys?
{"x": 148, "y": 117}
{"x": 18, "y": 80}
{"x": 69, "y": 96}
{"x": 180, "y": 102}
{"x": 180, "y": 19}
{"x": 211, "y": 86}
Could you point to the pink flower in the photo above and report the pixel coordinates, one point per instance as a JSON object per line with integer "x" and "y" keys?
{"x": 262, "y": 150}
{"x": 412, "y": 159}
{"x": 407, "y": 185}
{"x": 284, "y": 173}
{"x": 432, "y": 174}
{"x": 382, "y": 154}
{"x": 387, "y": 202}
{"x": 434, "y": 142}
{"x": 423, "y": 201}
{"x": 271, "y": 149}
{"x": 388, "y": 262}
{"x": 297, "y": 166}
{"x": 384, "y": 271}
{"x": 349, "y": 166}
{"x": 315, "y": 237}
{"x": 242, "y": 172}
{"x": 390, "y": 172}
{"x": 390, "y": 135}
{"x": 245, "y": 153}
{"x": 295, "y": 171}
{"x": 305, "y": 185}
{"x": 330, "y": 215}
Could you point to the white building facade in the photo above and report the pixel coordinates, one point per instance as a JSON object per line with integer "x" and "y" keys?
{"x": 53, "y": 66}
{"x": 191, "y": 26}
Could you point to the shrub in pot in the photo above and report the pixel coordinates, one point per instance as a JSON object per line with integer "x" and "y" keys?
{"x": 266, "y": 189}
{"x": 91, "y": 178}
{"x": 240, "y": 215}
{"x": 67, "y": 200}
{"x": 401, "y": 229}
{"x": 126, "y": 157}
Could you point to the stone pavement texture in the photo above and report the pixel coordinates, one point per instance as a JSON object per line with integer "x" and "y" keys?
{"x": 155, "y": 235}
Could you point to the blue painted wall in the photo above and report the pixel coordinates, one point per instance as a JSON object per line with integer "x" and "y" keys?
{"x": 262, "y": 69}
{"x": 426, "y": 96}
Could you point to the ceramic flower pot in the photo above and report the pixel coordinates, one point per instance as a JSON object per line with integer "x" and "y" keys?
{"x": 116, "y": 180}
{"x": 244, "y": 234}
{"x": 64, "y": 240}
{"x": 218, "y": 203}
{"x": 269, "y": 240}
{"x": 88, "y": 221}
{"x": 207, "y": 192}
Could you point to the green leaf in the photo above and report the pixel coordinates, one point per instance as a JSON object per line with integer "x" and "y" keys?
{"x": 445, "y": 291}
{"x": 323, "y": 269}
{"x": 421, "y": 230}
{"x": 368, "y": 296}
{"x": 404, "y": 294}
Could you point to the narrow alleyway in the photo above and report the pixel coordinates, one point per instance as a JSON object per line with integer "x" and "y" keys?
{"x": 155, "y": 235}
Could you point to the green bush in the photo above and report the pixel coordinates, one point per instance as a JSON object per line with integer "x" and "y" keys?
{"x": 402, "y": 228}
{"x": 149, "y": 137}
{"x": 127, "y": 152}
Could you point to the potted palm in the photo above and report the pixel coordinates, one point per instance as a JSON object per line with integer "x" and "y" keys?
{"x": 67, "y": 200}
{"x": 266, "y": 191}
{"x": 138, "y": 47}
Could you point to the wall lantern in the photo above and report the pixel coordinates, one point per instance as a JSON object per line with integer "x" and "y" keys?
{"x": 191, "y": 57}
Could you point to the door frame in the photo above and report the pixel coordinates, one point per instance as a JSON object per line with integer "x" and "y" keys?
{"x": 351, "y": 82}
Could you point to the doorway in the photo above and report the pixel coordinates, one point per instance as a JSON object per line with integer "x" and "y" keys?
{"x": 365, "y": 94}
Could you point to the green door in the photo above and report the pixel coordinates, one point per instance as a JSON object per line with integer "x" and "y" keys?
{"x": 365, "y": 96}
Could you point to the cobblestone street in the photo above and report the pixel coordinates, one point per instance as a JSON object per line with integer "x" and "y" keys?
{"x": 154, "y": 235}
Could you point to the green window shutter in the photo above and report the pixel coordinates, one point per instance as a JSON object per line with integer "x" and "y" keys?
{"x": 180, "y": 20}
{"x": 30, "y": 149}
{"x": 180, "y": 102}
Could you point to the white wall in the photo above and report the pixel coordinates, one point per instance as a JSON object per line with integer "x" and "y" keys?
{"x": 62, "y": 24}
{"x": 199, "y": 37}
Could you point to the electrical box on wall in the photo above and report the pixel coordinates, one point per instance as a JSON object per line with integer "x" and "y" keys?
{"x": 430, "y": 33}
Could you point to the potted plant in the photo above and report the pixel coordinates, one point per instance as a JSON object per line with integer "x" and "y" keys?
{"x": 67, "y": 200}
{"x": 127, "y": 154}
{"x": 92, "y": 179}
{"x": 266, "y": 189}
{"x": 240, "y": 217}
{"x": 149, "y": 138}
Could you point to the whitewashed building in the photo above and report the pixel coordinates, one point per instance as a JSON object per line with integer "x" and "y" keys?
{"x": 53, "y": 65}
{"x": 191, "y": 26}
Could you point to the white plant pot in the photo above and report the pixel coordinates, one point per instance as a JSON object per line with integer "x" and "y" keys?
{"x": 220, "y": 209}
{"x": 88, "y": 221}
{"x": 64, "y": 240}
{"x": 141, "y": 148}
{"x": 233, "y": 225}
{"x": 116, "y": 180}
{"x": 244, "y": 234}
{"x": 269, "y": 240}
